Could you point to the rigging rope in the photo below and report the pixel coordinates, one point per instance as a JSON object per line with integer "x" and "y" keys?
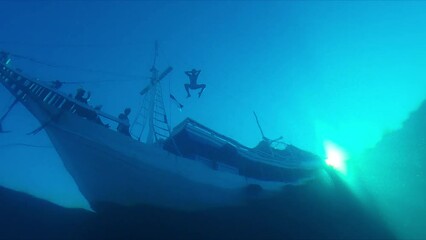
{"x": 7, "y": 113}
{"x": 61, "y": 45}
{"x": 6, "y": 106}
{"x": 78, "y": 68}
{"x": 163, "y": 55}
{"x": 93, "y": 81}
{"x": 170, "y": 106}
{"x": 24, "y": 145}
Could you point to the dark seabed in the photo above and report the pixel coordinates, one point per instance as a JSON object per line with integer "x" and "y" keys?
{"x": 314, "y": 211}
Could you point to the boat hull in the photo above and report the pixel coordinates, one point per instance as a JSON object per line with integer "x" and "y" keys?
{"x": 110, "y": 167}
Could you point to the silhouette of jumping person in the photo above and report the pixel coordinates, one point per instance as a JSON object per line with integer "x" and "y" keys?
{"x": 193, "y": 76}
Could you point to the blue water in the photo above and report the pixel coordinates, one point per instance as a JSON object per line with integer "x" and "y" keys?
{"x": 350, "y": 73}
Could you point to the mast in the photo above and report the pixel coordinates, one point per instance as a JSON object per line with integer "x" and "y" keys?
{"x": 258, "y": 125}
{"x": 152, "y": 113}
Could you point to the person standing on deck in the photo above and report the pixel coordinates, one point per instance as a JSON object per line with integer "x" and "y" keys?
{"x": 124, "y": 128}
{"x": 79, "y": 96}
{"x": 193, "y": 77}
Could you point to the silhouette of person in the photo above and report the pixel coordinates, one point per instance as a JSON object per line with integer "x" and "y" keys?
{"x": 56, "y": 84}
{"x": 193, "y": 77}
{"x": 124, "y": 128}
{"x": 79, "y": 96}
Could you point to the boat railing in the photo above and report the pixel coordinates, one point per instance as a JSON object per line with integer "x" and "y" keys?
{"x": 23, "y": 87}
{"x": 251, "y": 153}
{"x": 261, "y": 156}
{"x": 209, "y": 132}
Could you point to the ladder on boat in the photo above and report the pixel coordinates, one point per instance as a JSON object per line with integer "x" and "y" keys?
{"x": 161, "y": 126}
{"x": 153, "y": 114}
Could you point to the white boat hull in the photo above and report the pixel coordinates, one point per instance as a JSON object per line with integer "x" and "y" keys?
{"x": 109, "y": 167}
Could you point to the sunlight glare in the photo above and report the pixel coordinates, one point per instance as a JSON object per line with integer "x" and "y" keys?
{"x": 335, "y": 157}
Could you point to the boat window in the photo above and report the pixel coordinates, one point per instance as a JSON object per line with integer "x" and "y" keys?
{"x": 19, "y": 92}
{"x": 61, "y": 103}
{"x": 37, "y": 90}
{"x": 32, "y": 86}
{"x": 58, "y": 103}
{"x": 53, "y": 99}
{"x": 47, "y": 97}
{"x": 26, "y": 83}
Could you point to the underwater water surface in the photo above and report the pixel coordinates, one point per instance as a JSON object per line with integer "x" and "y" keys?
{"x": 341, "y": 79}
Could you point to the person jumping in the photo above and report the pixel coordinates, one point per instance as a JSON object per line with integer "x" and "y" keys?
{"x": 193, "y": 76}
